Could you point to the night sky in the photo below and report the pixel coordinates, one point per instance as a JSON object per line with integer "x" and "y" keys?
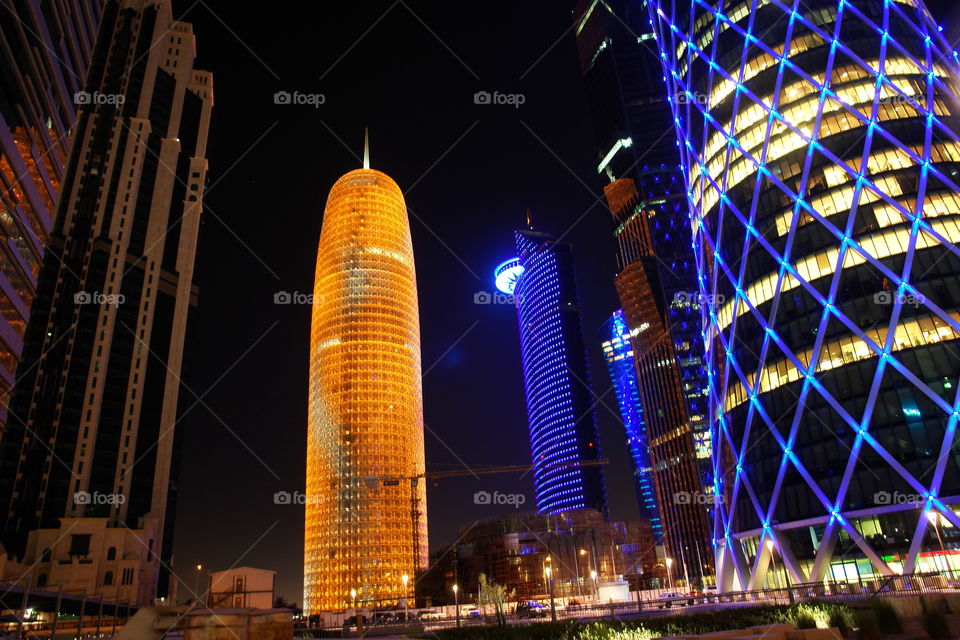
{"x": 408, "y": 70}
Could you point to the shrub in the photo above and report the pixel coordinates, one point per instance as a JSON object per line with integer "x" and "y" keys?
{"x": 813, "y": 613}
{"x": 888, "y": 620}
{"x": 936, "y": 625}
{"x": 841, "y": 617}
{"x": 599, "y": 631}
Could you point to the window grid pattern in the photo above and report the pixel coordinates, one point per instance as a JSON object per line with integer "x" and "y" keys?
{"x": 819, "y": 141}
{"x": 562, "y": 422}
{"x": 366, "y": 403}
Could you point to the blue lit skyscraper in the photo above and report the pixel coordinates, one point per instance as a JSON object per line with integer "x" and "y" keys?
{"x": 563, "y": 429}
{"x": 820, "y": 147}
{"x": 618, "y": 352}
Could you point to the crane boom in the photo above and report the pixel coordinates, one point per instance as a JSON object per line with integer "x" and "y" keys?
{"x": 393, "y": 481}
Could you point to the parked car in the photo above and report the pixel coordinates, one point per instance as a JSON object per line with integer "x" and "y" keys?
{"x": 471, "y": 611}
{"x": 432, "y": 615}
{"x": 353, "y": 620}
{"x": 386, "y": 617}
{"x": 530, "y": 609}
{"x": 669, "y": 598}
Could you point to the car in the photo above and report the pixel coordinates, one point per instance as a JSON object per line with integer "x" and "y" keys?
{"x": 471, "y": 611}
{"x": 379, "y": 617}
{"x": 530, "y": 609}
{"x": 353, "y": 620}
{"x": 432, "y": 615}
{"x": 669, "y": 598}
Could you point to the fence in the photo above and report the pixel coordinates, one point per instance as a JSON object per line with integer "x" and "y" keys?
{"x": 667, "y": 604}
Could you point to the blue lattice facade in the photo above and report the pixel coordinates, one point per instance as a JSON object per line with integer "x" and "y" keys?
{"x": 820, "y": 148}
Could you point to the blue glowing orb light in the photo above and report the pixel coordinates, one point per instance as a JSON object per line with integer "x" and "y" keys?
{"x": 506, "y": 275}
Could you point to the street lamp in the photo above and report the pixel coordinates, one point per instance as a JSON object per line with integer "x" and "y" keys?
{"x": 596, "y": 587}
{"x": 456, "y": 600}
{"x": 553, "y": 608}
{"x": 576, "y": 563}
{"x": 773, "y": 559}
{"x": 197, "y": 600}
{"x": 353, "y": 599}
{"x": 786, "y": 576}
{"x": 670, "y": 573}
{"x": 405, "y": 579}
{"x": 934, "y": 518}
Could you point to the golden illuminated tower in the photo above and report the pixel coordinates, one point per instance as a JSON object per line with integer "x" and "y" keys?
{"x": 365, "y": 529}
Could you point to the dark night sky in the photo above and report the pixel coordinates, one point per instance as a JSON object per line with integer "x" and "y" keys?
{"x": 408, "y": 71}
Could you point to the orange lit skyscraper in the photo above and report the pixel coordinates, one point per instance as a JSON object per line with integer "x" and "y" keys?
{"x": 365, "y": 530}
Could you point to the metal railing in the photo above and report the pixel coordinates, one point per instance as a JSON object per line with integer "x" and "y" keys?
{"x": 925, "y": 584}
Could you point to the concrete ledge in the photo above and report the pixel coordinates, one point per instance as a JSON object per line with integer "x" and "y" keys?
{"x": 153, "y": 623}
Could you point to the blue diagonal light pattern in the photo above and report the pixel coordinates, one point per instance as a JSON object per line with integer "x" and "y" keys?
{"x": 819, "y": 143}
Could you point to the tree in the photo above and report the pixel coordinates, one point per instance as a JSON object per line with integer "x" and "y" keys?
{"x": 281, "y": 603}
{"x": 495, "y": 594}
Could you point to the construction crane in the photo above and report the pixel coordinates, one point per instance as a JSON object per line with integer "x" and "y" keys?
{"x": 394, "y": 481}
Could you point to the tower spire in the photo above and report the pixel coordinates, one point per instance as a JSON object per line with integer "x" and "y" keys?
{"x": 366, "y": 148}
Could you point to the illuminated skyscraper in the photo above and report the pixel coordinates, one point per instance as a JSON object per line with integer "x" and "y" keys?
{"x": 633, "y": 132}
{"x": 681, "y": 501}
{"x": 656, "y": 272}
{"x": 618, "y": 352}
{"x": 563, "y": 429}
{"x": 90, "y": 457}
{"x": 366, "y": 525}
{"x": 821, "y": 150}
{"x": 43, "y": 63}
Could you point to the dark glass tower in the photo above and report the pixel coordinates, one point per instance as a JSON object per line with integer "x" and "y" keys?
{"x": 618, "y": 352}
{"x": 563, "y": 428}
{"x": 96, "y": 436}
{"x": 821, "y": 147}
{"x": 632, "y": 125}
{"x": 656, "y": 272}
{"x": 43, "y": 62}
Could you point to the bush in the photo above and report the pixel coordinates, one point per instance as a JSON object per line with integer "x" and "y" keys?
{"x": 813, "y": 613}
{"x": 936, "y": 625}
{"x": 536, "y": 631}
{"x": 841, "y": 617}
{"x": 888, "y": 620}
{"x": 867, "y": 628}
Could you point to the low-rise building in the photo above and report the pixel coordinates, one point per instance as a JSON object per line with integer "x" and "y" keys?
{"x": 581, "y": 548}
{"x": 242, "y": 587}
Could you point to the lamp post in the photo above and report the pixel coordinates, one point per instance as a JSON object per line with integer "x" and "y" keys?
{"x": 934, "y": 518}
{"x": 670, "y": 573}
{"x": 576, "y": 563}
{"x": 553, "y": 608}
{"x": 773, "y": 558}
{"x": 456, "y": 601}
{"x": 353, "y": 599}
{"x": 406, "y": 606}
{"x": 197, "y": 600}
{"x": 786, "y": 576}
{"x": 596, "y": 587}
